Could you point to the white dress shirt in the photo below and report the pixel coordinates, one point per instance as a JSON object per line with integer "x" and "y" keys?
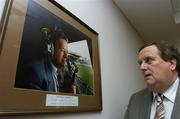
{"x": 56, "y": 85}
{"x": 169, "y": 99}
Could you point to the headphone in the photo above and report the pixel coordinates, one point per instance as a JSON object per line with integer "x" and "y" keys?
{"x": 46, "y": 39}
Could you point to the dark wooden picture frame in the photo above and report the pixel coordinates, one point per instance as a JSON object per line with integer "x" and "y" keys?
{"x": 21, "y": 44}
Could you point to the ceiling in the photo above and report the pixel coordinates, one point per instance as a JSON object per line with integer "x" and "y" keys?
{"x": 153, "y": 19}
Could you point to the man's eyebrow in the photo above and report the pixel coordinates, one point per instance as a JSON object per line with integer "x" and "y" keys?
{"x": 63, "y": 49}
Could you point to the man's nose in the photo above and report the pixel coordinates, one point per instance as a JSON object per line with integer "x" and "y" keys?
{"x": 143, "y": 66}
{"x": 65, "y": 54}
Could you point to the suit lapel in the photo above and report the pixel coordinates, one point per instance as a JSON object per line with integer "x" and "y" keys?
{"x": 176, "y": 109}
{"x": 146, "y": 105}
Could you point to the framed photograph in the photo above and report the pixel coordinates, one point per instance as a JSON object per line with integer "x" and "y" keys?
{"x": 49, "y": 60}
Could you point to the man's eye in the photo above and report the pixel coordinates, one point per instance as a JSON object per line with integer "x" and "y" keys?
{"x": 139, "y": 62}
{"x": 63, "y": 50}
{"x": 149, "y": 60}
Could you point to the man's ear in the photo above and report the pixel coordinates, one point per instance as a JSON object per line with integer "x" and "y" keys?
{"x": 173, "y": 64}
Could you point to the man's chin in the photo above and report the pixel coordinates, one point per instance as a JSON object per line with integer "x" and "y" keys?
{"x": 60, "y": 65}
{"x": 150, "y": 81}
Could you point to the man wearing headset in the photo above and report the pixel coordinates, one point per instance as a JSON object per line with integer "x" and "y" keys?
{"x": 50, "y": 73}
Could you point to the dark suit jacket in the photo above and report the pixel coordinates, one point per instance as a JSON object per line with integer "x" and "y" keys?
{"x": 140, "y": 105}
{"x": 38, "y": 75}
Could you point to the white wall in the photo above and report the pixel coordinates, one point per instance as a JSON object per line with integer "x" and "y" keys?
{"x": 2, "y": 2}
{"x": 118, "y": 44}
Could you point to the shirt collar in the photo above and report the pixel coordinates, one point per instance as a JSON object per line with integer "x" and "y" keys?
{"x": 54, "y": 68}
{"x": 170, "y": 93}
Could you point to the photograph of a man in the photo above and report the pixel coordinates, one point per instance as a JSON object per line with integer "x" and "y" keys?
{"x": 49, "y": 55}
{"x": 49, "y": 73}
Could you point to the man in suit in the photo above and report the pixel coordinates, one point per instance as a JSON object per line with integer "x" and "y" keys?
{"x": 44, "y": 73}
{"x": 160, "y": 65}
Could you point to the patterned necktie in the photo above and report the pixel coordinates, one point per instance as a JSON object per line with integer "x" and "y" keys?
{"x": 160, "y": 110}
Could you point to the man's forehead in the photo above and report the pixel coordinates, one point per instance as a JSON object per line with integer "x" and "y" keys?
{"x": 148, "y": 51}
{"x": 61, "y": 40}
